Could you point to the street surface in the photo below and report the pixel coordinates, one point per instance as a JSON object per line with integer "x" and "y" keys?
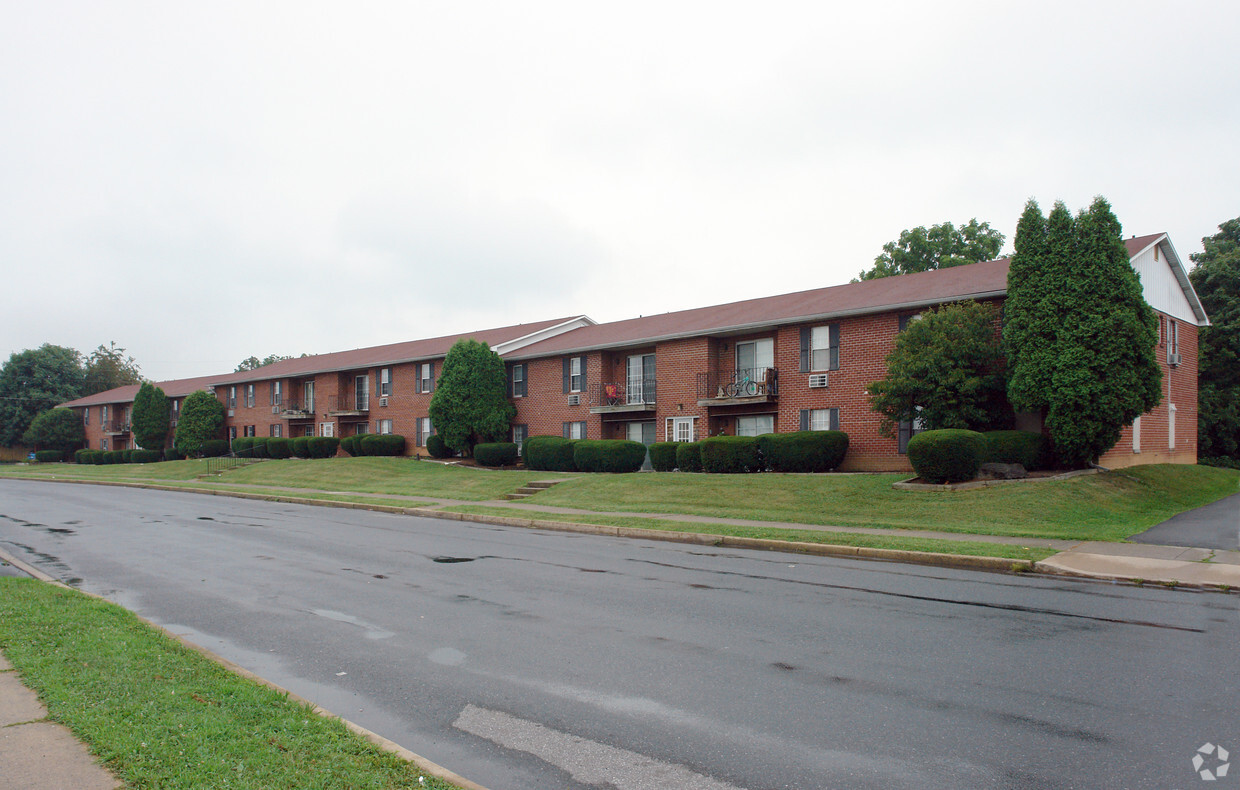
{"x": 520, "y": 658}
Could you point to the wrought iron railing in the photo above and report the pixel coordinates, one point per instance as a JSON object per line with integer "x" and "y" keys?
{"x": 116, "y": 426}
{"x": 633, "y": 392}
{"x": 297, "y": 407}
{"x": 350, "y": 402}
{"x": 220, "y": 463}
{"x": 742, "y": 383}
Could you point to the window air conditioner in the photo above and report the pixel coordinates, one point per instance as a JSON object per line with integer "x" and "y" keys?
{"x": 818, "y": 380}
{"x": 232, "y": 413}
{"x": 383, "y": 401}
{"x": 1173, "y": 359}
{"x": 574, "y": 400}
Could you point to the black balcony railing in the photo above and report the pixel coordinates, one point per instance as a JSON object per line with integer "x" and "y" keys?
{"x": 350, "y": 402}
{"x": 116, "y": 426}
{"x": 743, "y": 383}
{"x": 633, "y": 392}
{"x": 293, "y": 408}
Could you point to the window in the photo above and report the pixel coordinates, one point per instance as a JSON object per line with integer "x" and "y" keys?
{"x": 176, "y": 409}
{"x": 680, "y": 429}
{"x": 361, "y": 429}
{"x": 516, "y": 379}
{"x": 574, "y": 374}
{"x": 640, "y": 379}
{"x": 906, "y": 430}
{"x": 86, "y": 416}
{"x": 103, "y": 444}
{"x": 1136, "y": 435}
{"x": 519, "y": 434}
{"x": 249, "y": 396}
{"x": 820, "y": 419}
{"x": 232, "y": 433}
{"x": 308, "y": 430}
{"x": 327, "y": 429}
{"x": 307, "y": 392}
{"x": 756, "y": 425}
{"x": 1173, "y": 337}
{"x": 385, "y": 382}
{"x": 361, "y": 390}
{"x": 574, "y": 430}
{"x": 277, "y": 393}
{"x": 103, "y": 415}
{"x": 424, "y": 430}
{"x": 426, "y": 377}
{"x": 385, "y": 427}
{"x": 275, "y": 430}
{"x": 820, "y": 348}
{"x": 232, "y": 397}
{"x": 249, "y": 430}
{"x": 754, "y": 358}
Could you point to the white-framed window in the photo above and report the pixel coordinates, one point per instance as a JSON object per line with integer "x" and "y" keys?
{"x": 574, "y": 374}
{"x": 361, "y": 429}
{"x": 249, "y": 396}
{"x": 176, "y": 409}
{"x": 1136, "y": 435}
{"x": 1173, "y": 336}
{"x": 249, "y": 430}
{"x": 385, "y": 382}
{"x": 681, "y": 429}
{"x": 754, "y": 358}
{"x": 519, "y": 435}
{"x": 103, "y": 416}
{"x": 518, "y": 389}
{"x": 276, "y": 430}
{"x": 385, "y": 427}
{"x": 277, "y": 393}
{"x": 426, "y": 429}
{"x": 103, "y": 444}
{"x": 308, "y": 430}
{"x": 232, "y": 433}
{"x": 86, "y": 416}
{"x": 755, "y": 425}
{"x": 1170, "y": 426}
{"x": 307, "y": 393}
{"x": 574, "y": 430}
{"x": 640, "y": 379}
{"x": 232, "y": 397}
{"x": 327, "y": 429}
{"x": 820, "y": 419}
{"x": 820, "y": 348}
{"x": 426, "y": 377}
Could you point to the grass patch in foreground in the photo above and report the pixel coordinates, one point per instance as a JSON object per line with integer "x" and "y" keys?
{"x": 160, "y": 715}
{"x": 965, "y": 547}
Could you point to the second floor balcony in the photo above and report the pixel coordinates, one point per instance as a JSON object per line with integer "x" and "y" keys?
{"x": 350, "y": 405}
{"x": 296, "y": 410}
{"x": 116, "y": 427}
{"x": 738, "y": 387}
{"x": 633, "y": 395}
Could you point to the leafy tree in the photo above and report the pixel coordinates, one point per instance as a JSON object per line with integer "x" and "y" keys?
{"x": 108, "y": 368}
{"x": 939, "y": 247}
{"x": 1079, "y": 335}
{"x": 947, "y": 370}
{"x": 471, "y": 403}
{"x": 1216, "y": 278}
{"x": 253, "y": 363}
{"x": 33, "y": 381}
{"x": 202, "y": 416}
{"x": 150, "y": 417}
{"x": 56, "y": 429}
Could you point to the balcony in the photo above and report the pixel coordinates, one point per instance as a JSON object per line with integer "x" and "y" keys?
{"x": 634, "y": 395}
{"x": 349, "y": 406}
{"x": 739, "y": 387}
{"x": 116, "y": 428}
{"x": 296, "y": 410}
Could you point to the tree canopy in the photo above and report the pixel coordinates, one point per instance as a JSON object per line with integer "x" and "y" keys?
{"x": 202, "y": 416}
{"x": 946, "y": 370}
{"x": 253, "y": 363}
{"x": 1216, "y": 278}
{"x": 34, "y": 381}
{"x": 938, "y": 247}
{"x": 108, "y": 368}
{"x": 150, "y": 417}
{"x": 470, "y": 403}
{"x": 1078, "y": 333}
{"x": 56, "y": 429}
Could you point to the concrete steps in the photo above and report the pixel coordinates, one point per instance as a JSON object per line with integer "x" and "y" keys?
{"x": 531, "y": 488}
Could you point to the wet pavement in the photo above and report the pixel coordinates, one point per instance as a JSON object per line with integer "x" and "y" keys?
{"x": 1214, "y": 526}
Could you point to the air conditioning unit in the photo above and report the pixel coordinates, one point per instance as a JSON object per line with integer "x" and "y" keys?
{"x": 383, "y": 401}
{"x": 275, "y": 409}
{"x": 1173, "y": 359}
{"x": 232, "y": 413}
{"x": 574, "y": 400}
{"x": 818, "y": 380}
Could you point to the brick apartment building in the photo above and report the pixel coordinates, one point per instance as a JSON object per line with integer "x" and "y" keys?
{"x": 800, "y": 361}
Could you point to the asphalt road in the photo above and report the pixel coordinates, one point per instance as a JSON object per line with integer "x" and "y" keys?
{"x": 522, "y": 658}
{"x": 1213, "y": 526}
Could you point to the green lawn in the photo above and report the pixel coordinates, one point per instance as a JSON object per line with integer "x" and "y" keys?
{"x": 160, "y": 715}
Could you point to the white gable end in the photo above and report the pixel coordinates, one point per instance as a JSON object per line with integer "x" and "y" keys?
{"x": 1165, "y": 283}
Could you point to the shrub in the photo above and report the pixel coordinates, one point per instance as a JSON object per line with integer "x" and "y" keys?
{"x": 803, "y": 451}
{"x": 145, "y": 456}
{"x": 549, "y": 453}
{"x": 202, "y": 417}
{"x": 48, "y": 456}
{"x": 689, "y": 456}
{"x": 1221, "y": 461}
{"x": 731, "y": 454}
{"x": 323, "y": 446}
{"x": 82, "y": 456}
{"x": 351, "y": 445}
{"x": 1029, "y": 449}
{"x": 126, "y": 456}
{"x": 951, "y": 455}
{"x": 56, "y": 429}
{"x": 212, "y": 448}
{"x": 242, "y": 446}
{"x": 608, "y": 455}
{"x": 301, "y": 446}
{"x": 171, "y": 454}
{"x": 279, "y": 447}
{"x": 113, "y": 457}
{"x": 381, "y": 444}
{"x": 437, "y": 447}
{"x": 99, "y": 458}
{"x": 663, "y": 456}
{"x": 496, "y": 453}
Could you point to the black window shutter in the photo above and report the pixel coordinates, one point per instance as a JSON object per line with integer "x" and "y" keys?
{"x": 565, "y": 428}
{"x": 835, "y": 420}
{"x": 834, "y": 333}
{"x": 805, "y": 339}
{"x": 568, "y": 372}
{"x": 512, "y": 384}
{"x": 805, "y": 419}
{"x": 431, "y": 388}
{"x": 583, "y": 374}
{"x": 417, "y": 433}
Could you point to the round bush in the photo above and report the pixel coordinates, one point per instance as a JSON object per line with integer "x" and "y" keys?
{"x": 951, "y": 455}
{"x": 48, "y": 456}
{"x": 114, "y": 457}
{"x": 171, "y": 454}
{"x": 323, "y": 446}
{"x": 803, "y": 451}
{"x": 352, "y": 445}
{"x": 549, "y": 454}
{"x": 259, "y": 448}
{"x": 436, "y": 447}
{"x": 731, "y": 454}
{"x": 301, "y": 446}
{"x": 608, "y": 455}
{"x": 1029, "y": 449}
{"x": 145, "y": 456}
{"x": 82, "y": 456}
{"x": 689, "y": 456}
{"x": 663, "y": 456}
{"x": 279, "y": 447}
{"x": 241, "y": 446}
{"x": 381, "y": 444}
{"x": 126, "y": 456}
{"x": 213, "y": 448}
{"x": 496, "y": 453}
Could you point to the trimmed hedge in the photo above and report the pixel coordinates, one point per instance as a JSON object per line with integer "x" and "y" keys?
{"x": 803, "y": 451}
{"x": 241, "y": 446}
{"x": 352, "y": 445}
{"x": 48, "y": 456}
{"x": 82, "y": 456}
{"x": 689, "y": 456}
{"x": 608, "y": 455}
{"x": 126, "y": 456}
{"x": 114, "y": 457}
{"x": 731, "y": 454}
{"x": 301, "y": 446}
{"x": 171, "y": 454}
{"x": 549, "y": 453}
{"x": 322, "y": 446}
{"x": 663, "y": 456}
{"x": 496, "y": 453}
{"x": 1029, "y": 449}
{"x": 279, "y": 447}
{"x": 436, "y": 447}
{"x": 145, "y": 456}
{"x": 950, "y": 455}
{"x": 213, "y": 448}
{"x": 99, "y": 458}
{"x": 380, "y": 444}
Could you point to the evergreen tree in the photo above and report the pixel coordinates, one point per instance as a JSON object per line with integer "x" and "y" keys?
{"x": 470, "y": 403}
{"x": 1216, "y": 278}
{"x": 1029, "y": 327}
{"x": 202, "y": 416}
{"x": 150, "y": 417}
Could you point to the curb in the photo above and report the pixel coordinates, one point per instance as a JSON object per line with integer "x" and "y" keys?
{"x": 424, "y": 765}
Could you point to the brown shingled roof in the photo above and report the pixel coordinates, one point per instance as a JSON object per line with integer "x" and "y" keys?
{"x": 174, "y": 388}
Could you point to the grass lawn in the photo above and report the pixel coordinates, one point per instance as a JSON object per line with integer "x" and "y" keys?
{"x": 160, "y": 715}
{"x": 895, "y": 541}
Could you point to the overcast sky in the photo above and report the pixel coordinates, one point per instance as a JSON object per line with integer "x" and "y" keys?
{"x": 202, "y": 182}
